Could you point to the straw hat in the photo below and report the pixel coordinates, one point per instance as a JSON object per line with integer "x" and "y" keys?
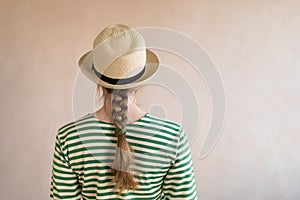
{"x": 119, "y": 58}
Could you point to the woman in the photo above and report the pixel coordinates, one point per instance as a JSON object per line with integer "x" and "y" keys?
{"x": 121, "y": 151}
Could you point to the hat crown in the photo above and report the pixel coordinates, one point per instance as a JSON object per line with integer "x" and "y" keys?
{"x": 119, "y": 52}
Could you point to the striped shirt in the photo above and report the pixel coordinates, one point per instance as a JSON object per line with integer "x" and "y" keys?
{"x": 85, "y": 149}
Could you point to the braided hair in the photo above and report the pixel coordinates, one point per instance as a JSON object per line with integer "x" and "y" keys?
{"x": 123, "y": 178}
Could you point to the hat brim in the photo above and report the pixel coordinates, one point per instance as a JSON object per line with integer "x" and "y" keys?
{"x": 151, "y": 67}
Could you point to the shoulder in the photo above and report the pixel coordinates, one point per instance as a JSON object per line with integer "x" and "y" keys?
{"x": 71, "y": 127}
{"x": 166, "y": 123}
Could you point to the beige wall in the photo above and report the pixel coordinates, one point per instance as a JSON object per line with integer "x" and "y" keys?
{"x": 255, "y": 45}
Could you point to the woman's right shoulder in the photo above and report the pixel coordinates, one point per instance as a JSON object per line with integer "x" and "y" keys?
{"x": 166, "y": 123}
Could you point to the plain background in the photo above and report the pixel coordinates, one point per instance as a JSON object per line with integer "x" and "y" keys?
{"x": 255, "y": 45}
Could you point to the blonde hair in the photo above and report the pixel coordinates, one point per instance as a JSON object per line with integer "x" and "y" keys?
{"x": 123, "y": 178}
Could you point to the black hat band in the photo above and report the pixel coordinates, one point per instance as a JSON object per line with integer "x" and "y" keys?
{"x": 115, "y": 81}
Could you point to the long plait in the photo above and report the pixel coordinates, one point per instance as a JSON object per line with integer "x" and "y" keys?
{"x": 123, "y": 160}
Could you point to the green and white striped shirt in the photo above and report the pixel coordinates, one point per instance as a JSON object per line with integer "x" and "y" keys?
{"x": 85, "y": 148}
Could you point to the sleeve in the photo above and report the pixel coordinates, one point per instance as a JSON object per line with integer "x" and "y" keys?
{"x": 64, "y": 182}
{"x": 179, "y": 182}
